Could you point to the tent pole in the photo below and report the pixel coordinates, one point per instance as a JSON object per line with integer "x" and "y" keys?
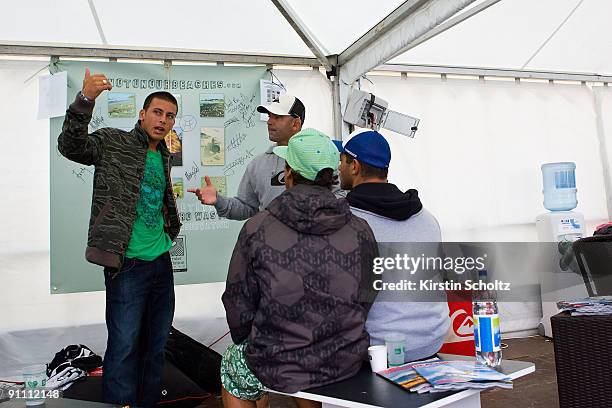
{"x": 305, "y": 34}
{"x": 604, "y": 150}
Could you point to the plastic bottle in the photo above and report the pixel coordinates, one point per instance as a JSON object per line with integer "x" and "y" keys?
{"x": 559, "y": 182}
{"x": 487, "y": 333}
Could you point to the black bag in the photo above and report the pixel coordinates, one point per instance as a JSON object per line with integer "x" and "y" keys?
{"x": 74, "y": 355}
{"x": 198, "y": 362}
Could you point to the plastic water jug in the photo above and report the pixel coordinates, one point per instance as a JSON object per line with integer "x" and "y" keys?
{"x": 559, "y": 186}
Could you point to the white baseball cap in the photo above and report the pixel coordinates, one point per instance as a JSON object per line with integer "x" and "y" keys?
{"x": 285, "y": 105}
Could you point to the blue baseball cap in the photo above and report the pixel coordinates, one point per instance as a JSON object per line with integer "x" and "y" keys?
{"x": 368, "y": 147}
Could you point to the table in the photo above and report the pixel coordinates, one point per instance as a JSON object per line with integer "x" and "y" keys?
{"x": 368, "y": 390}
{"x": 57, "y": 403}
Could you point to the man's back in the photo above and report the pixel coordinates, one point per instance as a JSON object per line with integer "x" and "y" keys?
{"x": 303, "y": 265}
{"x": 423, "y": 323}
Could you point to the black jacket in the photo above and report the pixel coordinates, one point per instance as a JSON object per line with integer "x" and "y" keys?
{"x": 119, "y": 158}
{"x": 299, "y": 289}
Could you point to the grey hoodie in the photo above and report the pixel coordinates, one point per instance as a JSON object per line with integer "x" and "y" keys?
{"x": 261, "y": 183}
{"x": 424, "y": 324}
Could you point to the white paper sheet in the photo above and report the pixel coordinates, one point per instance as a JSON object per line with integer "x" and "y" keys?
{"x": 52, "y": 95}
{"x": 269, "y": 91}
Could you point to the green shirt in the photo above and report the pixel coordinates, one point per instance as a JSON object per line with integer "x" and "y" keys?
{"x": 149, "y": 240}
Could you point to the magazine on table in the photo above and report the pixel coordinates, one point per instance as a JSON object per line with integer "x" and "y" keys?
{"x": 455, "y": 375}
{"x": 404, "y": 375}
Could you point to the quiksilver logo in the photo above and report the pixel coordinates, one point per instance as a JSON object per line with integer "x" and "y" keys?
{"x": 278, "y": 179}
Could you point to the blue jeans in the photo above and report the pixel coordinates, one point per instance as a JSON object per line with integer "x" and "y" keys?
{"x": 139, "y": 311}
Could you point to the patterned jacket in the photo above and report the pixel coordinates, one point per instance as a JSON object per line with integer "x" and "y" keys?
{"x": 119, "y": 158}
{"x": 299, "y": 289}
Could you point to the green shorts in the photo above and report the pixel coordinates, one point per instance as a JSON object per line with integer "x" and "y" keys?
{"x": 236, "y": 376}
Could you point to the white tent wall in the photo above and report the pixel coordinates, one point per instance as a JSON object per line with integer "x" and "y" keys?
{"x": 314, "y": 90}
{"x": 475, "y": 161}
{"x": 477, "y": 154}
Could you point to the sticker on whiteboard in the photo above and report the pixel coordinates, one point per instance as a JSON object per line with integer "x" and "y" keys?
{"x": 269, "y": 92}
{"x": 178, "y": 254}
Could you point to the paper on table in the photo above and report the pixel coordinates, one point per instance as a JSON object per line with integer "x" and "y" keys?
{"x": 52, "y": 95}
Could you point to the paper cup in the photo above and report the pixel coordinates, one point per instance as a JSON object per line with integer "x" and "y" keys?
{"x": 378, "y": 357}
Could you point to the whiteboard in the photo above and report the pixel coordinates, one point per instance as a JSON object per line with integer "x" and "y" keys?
{"x": 217, "y": 133}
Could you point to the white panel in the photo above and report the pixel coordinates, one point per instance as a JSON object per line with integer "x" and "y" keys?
{"x": 254, "y": 26}
{"x": 24, "y": 161}
{"x": 506, "y": 34}
{"x": 584, "y": 42}
{"x": 68, "y": 21}
{"x": 337, "y": 24}
{"x": 389, "y": 43}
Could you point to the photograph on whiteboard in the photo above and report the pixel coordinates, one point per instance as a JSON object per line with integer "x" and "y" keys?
{"x": 219, "y": 182}
{"x": 177, "y": 187}
{"x": 212, "y": 146}
{"x": 179, "y": 105}
{"x": 178, "y": 254}
{"x": 174, "y": 141}
{"x": 121, "y": 105}
{"x": 212, "y": 105}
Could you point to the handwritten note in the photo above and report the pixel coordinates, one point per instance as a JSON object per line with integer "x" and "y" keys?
{"x": 243, "y": 107}
{"x": 97, "y": 120}
{"x": 228, "y": 170}
{"x": 81, "y": 173}
{"x": 235, "y": 141}
{"x": 191, "y": 173}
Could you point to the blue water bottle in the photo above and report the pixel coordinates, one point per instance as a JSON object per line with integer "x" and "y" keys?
{"x": 487, "y": 331}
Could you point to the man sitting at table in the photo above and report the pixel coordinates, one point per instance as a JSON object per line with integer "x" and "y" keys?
{"x": 395, "y": 217}
{"x": 299, "y": 284}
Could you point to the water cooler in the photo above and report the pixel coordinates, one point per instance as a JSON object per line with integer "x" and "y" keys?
{"x": 560, "y": 226}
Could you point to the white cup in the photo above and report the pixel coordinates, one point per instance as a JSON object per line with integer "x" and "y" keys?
{"x": 35, "y": 379}
{"x": 378, "y": 357}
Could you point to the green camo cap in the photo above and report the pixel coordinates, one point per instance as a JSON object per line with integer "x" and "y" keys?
{"x": 308, "y": 152}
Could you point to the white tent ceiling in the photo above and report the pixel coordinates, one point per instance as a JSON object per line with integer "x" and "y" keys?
{"x": 506, "y": 35}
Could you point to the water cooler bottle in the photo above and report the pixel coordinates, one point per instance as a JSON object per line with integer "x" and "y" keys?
{"x": 559, "y": 226}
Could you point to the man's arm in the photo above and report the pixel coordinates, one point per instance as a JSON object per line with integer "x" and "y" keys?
{"x": 74, "y": 142}
{"x": 241, "y": 295}
{"x": 243, "y": 206}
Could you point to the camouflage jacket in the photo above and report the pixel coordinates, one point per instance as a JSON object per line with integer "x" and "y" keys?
{"x": 119, "y": 158}
{"x": 299, "y": 289}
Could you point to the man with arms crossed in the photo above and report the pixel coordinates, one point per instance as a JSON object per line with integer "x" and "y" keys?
{"x": 133, "y": 222}
{"x": 263, "y": 179}
{"x": 394, "y": 216}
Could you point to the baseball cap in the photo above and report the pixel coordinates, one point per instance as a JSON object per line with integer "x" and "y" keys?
{"x": 308, "y": 152}
{"x": 369, "y": 147}
{"x": 285, "y": 105}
